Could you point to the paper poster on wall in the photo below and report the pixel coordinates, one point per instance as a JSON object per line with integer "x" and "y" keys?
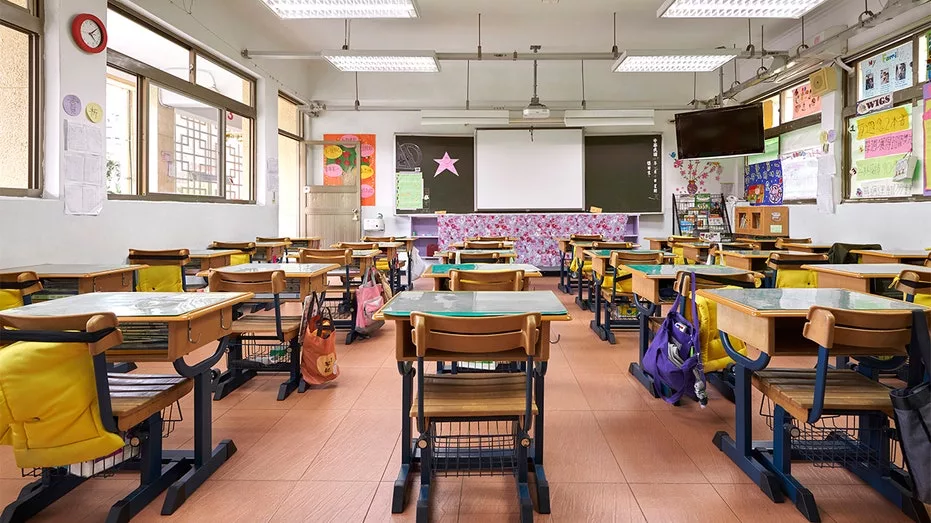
{"x": 770, "y": 152}
{"x": 894, "y": 143}
{"x": 886, "y": 72}
{"x": 800, "y": 174}
{"x": 339, "y": 162}
{"x": 764, "y": 183}
{"x": 886, "y": 122}
{"x": 876, "y": 178}
{"x": 409, "y": 191}
{"x": 804, "y": 103}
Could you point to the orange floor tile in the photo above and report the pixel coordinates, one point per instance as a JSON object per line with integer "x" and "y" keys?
{"x": 613, "y": 453}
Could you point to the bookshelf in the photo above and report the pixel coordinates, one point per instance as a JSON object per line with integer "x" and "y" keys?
{"x": 699, "y": 214}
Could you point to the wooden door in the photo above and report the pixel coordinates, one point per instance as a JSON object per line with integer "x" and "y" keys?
{"x": 331, "y": 211}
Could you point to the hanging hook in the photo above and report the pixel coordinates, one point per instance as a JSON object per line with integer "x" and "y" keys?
{"x": 346, "y": 30}
{"x": 736, "y": 82}
{"x": 357, "y": 92}
{"x": 762, "y": 69}
{"x": 480, "y": 36}
{"x": 866, "y": 12}
{"x": 614, "y": 49}
{"x": 468, "y": 81}
{"x": 583, "y": 84}
{"x": 750, "y": 47}
{"x": 803, "y": 45}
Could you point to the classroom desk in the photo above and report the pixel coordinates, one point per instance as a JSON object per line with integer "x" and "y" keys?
{"x": 817, "y": 248}
{"x": 65, "y": 279}
{"x": 270, "y": 251}
{"x": 304, "y": 277}
{"x": 450, "y": 256}
{"x": 509, "y": 244}
{"x": 658, "y": 244}
{"x": 771, "y": 320}
{"x": 601, "y": 264}
{"x": 166, "y": 326}
{"x": 909, "y": 256}
{"x": 440, "y": 272}
{"x": 698, "y": 252}
{"x": 648, "y": 283}
{"x": 565, "y": 284}
{"x": 860, "y": 277}
{"x": 754, "y": 260}
{"x": 469, "y": 304}
{"x": 203, "y": 259}
{"x": 305, "y": 242}
{"x": 759, "y": 244}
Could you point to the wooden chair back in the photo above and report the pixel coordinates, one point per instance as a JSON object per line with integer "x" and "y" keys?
{"x": 341, "y": 257}
{"x": 26, "y": 282}
{"x": 478, "y": 257}
{"x": 244, "y": 247}
{"x": 263, "y": 282}
{"x": 684, "y": 281}
{"x": 780, "y": 242}
{"x": 465, "y": 337}
{"x": 476, "y": 244}
{"x": 357, "y": 246}
{"x": 587, "y": 237}
{"x": 94, "y": 322}
{"x": 612, "y": 245}
{"x": 491, "y": 239}
{"x": 928, "y": 260}
{"x": 486, "y": 280}
{"x": 264, "y": 239}
{"x": 853, "y": 333}
{"x": 635, "y": 258}
{"x": 167, "y": 257}
{"x": 911, "y": 283}
{"x": 794, "y": 261}
{"x": 378, "y": 239}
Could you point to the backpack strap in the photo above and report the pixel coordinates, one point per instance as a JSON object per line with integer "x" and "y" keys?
{"x": 919, "y": 349}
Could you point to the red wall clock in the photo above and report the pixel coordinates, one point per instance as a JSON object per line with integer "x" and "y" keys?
{"x": 89, "y": 33}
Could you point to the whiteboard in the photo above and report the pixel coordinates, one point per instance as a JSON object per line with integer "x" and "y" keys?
{"x": 516, "y": 172}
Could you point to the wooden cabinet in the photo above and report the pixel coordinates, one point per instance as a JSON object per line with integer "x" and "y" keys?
{"x": 762, "y": 220}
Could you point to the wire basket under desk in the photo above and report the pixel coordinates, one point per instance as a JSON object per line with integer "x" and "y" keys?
{"x": 474, "y": 448}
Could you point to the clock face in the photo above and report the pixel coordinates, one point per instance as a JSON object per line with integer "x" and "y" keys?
{"x": 91, "y": 33}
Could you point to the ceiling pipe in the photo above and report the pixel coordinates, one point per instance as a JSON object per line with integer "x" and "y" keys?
{"x": 816, "y": 52}
{"x": 486, "y": 56}
{"x": 515, "y": 107}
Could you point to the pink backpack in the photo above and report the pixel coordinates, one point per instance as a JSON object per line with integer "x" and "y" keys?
{"x": 370, "y": 296}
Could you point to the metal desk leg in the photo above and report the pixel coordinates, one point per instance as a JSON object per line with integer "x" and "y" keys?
{"x": 563, "y": 274}
{"x": 403, "y": 483}
{"x": 408, "y": 271}
{"x": 204, "y": 460}
{"x": 543, "y": 486}
{"x": 581, "y": 300}
{"x": 595, "y": 324}
{"x": 645, "y": 309}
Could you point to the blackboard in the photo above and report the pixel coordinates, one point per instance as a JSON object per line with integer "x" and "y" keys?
{"x": 624, "y": 173}
{"x": 447, "y": 191}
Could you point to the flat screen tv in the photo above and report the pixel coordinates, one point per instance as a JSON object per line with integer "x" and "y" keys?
{"x": 732, "y": 131}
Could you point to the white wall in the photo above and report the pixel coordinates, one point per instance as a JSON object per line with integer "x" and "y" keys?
{"x": 37, "y": 230}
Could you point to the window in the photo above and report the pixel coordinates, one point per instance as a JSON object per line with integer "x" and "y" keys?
{"x": 20, "y": 30}
{"x": 197, "y": 141}
{"x": 291, "y": 165}
{"x": 289, "y": 116}
{"x": 770, "y": 112}
{"x": 924, "y": 56}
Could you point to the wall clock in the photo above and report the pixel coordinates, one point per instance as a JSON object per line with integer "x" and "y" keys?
{"x": 89, "y": 33}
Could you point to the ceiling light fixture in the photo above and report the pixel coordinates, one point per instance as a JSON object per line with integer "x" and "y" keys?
{"x": 354, "y": 61}
{"x": 343, "y": 8}
{"x": 736, "y": 8}
{"x": 638, "y": 61}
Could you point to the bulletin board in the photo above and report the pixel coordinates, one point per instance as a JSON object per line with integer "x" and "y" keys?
{"x": 624, "y": 173}
{"x": 886, "y": 149}
{"x": 434, "y": 173}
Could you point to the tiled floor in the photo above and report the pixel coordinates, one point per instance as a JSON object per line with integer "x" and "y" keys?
{"x": 613, "y": 453}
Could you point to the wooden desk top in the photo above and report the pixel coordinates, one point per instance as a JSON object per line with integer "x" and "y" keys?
{"x": 865, "y": 270}
{"x": 365, "y": 253}
{"x": 137, "y": 306}
{"x": 606, "y": 253}
{"x": 74, "y": 270}
{"x": 504, "y": 253}
{"x": 669, "y": 272}
{"x": 441, "y": 270}
{"x": 889, "y": 253}
{"x": 749, "y": 254}
{"x": 305, "y": 238}
{"x": 474, "y": 304}
{"x": 207, "y": 253}
{"x": 770, "y": 303}
{"x": 270, "y": 245}
{"x": 459, "y": 245}
{"x": 807, "y": 246}
{"x": 291, "y": 270}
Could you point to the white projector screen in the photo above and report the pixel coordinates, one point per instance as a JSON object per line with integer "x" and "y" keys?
{"x": 513, "y": 172}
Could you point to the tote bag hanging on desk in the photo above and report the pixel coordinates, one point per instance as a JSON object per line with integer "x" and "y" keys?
{"x": 318, "y": 345}
{"x": 912, "y": 408}
{"x": 370, "y": 296}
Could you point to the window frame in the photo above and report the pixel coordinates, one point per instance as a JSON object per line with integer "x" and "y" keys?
{"x": 147, "y": 76}
{"x": 910, "y": 95}
{"x": 300, "y": 118}
{"x": 30, "y": 21}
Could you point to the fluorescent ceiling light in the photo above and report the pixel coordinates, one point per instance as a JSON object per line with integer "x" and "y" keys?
{"x": 343, "y": 8}
{"x": 383, "y": 61}
{"x": 691, "y": 61}
{"x": 736, "y": 8}
{"x": 453, "y": 117}
{"x": 599, "y": 118}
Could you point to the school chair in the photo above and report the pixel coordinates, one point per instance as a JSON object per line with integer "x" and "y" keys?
{"x": 582, "y": 267}
{"x": 165, "y": 271}
{"x": 915, "y": 286}
{"x": 259, "y": 342}
{"x": 285, "y": 240}
{"x": 487, "y": 245}
{"x": 246, "y": 251}
{"x": 17, "y": 288}
{"x": 477, "y": 257}
{"x": 479, "y": 423}
{"x": 377, "y": 239}
{"x": 787, "y": 271}
{"x": 780, "y": 242}
{"x": 840, "y": 252}
{"x": 486, "y": 280}
{"x": 383, "y": 264}
{"x": 614, "y": 295}
{"x": 67, "y": 420}
{"x": 831, "y": 416}
{"x": 928, "y": 260}
{"x": 491, "y": 239}
{"x": 716, "y": 364}
{"x": 345, "y": 303}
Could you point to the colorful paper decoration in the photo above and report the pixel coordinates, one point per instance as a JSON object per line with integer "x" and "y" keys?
{"x": 886, "y": 72}
{"x": 804, "y": 103}
{"x": 764, "y": 184}
{"x": 338, "y": 163}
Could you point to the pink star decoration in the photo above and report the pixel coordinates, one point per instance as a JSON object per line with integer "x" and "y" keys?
{"x": 445, "y": 164}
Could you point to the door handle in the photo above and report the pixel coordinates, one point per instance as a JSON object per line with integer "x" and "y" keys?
{"x": 355, "y": 215}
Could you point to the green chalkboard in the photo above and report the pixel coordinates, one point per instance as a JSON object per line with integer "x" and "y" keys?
{"x": 624, "y": 173}
{"x": 447, "y": 165}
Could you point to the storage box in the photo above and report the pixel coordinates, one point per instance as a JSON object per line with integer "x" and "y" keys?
{"x": 762, "y": 220}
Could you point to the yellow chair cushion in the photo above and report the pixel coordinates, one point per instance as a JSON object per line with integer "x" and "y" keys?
{"x": 159, "y": 278}
{"x": 626, "y": 284}
{"x": 713, "y": 356}
{"x": 796, "y": 279}
{"x": 239, "y": 259}
{"x": 382, "y": 264}
{"x": 923, "y": 299}
{"x": 679, "y": 253}
{"x": 48, "y": 405}
{"x": 10, "y": 299}
{"x": 586, "y": 265}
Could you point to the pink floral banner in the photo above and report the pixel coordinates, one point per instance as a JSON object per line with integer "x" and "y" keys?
{"x": 535, "y": 233}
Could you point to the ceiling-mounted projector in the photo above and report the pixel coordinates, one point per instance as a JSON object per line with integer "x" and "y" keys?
{"x": 536, "y": 110}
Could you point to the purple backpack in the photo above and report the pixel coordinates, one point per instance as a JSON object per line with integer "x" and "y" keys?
{"x": 673, "y": 358}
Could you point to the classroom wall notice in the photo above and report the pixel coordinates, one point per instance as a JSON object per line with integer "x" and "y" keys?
{"x": 881, "y": 146}
{"x": 339, "y": 162}
{"x": 886, "y": 72}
